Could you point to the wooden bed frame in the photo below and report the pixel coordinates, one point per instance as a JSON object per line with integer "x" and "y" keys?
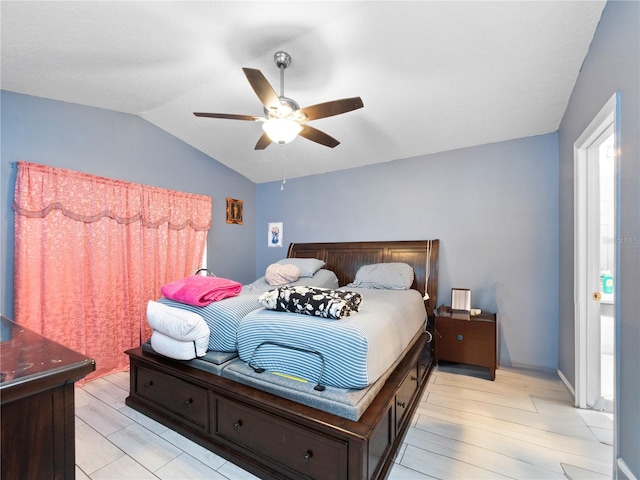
{"x": 276, "y": 438}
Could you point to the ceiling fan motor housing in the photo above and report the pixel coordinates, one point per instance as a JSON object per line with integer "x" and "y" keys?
{"x": 282, "y": 59}
{"x": 287, "y": 107}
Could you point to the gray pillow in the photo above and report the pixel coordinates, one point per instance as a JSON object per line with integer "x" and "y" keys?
{"x": 307, "y": 266}
{"x": 389, "y": 276}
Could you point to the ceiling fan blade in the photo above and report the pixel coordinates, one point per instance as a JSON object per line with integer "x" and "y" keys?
{"x": 335, "y": 107}
{"x": 318, "y": 136}
{"x": 228, "y": 116}
{"x": 263, "y": 142}
{"x": 262, "y": 87}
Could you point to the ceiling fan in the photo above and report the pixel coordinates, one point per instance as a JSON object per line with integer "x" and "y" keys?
{"x": 284, "y": 119}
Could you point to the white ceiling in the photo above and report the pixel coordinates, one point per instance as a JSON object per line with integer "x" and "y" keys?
{"x": 433, "y": 75}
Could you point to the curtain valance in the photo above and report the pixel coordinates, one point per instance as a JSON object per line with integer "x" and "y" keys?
{"x": 89, "y": 198}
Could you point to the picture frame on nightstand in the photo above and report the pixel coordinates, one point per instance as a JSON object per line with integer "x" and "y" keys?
{"x": 461, "y": 303}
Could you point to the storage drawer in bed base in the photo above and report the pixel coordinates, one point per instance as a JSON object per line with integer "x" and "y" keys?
{"x": 177, "y": 397}
{"x": 273, "y": 437}
{"x": 305, "y": 452}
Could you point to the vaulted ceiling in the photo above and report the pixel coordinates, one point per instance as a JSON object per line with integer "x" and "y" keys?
{"x": 433, "y": 75}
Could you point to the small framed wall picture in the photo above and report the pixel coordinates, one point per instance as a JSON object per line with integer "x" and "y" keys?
{"x": 234, "y": 211}
{"x": 274, "y": 234}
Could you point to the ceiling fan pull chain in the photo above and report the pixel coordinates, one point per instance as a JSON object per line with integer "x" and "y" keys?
{"x": 284, "y": 180}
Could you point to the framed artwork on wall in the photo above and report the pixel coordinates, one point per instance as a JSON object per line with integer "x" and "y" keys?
{"x": 234, "y": 211}
{"x": 274, "y": 234}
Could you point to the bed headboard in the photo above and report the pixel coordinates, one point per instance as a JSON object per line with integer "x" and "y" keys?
{"x": 345, "y": 258}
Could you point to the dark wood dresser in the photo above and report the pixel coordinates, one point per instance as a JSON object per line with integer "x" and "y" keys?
{"x": 470, "y": 341}
{"x": 37, "y": 404}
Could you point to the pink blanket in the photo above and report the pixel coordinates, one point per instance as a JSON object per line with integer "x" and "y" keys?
{"x": 199, "y": 290}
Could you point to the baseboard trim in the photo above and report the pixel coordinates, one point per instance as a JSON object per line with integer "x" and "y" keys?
{"x": 567, "y": 384}
{"x": 623, "y": 471}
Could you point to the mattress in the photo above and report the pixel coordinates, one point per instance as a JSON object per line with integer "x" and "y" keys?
{"x": 346, "y": 403}
{"x": 223, "y": 317}
{"x": 212, "y": 362}
{"x": 351, "y": 353}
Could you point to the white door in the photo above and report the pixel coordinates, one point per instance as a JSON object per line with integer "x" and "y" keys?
{"x": 600, "y": 271}
{"x": 592, "y": 253}
{"x": 600, "y": 394}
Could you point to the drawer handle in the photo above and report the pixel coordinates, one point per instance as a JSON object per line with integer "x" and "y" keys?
{"x": 188, "y": 401}
{"x": 414, "y": 379}
{"x": 460, "y": 337}
{"x": 237, "y": 425}
{"x": 401, "y": 404}
{"x": 308, "y": 455}
{"x": 148, "y": 384}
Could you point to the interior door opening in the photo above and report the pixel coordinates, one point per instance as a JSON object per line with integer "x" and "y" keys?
{"x": 603, "y": 391}
{"x": 596, "y": 260}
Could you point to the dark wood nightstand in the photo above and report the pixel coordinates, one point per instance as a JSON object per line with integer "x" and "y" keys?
{"x": 470, "y": 341}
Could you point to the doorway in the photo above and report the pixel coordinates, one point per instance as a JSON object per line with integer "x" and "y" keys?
{"x": 603, "y": 391}
{"x": 596, "y": 260}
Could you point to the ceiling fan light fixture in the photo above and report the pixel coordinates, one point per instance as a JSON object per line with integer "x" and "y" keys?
{"x": 283, "y": 118}
{"x": 281, "y": 130}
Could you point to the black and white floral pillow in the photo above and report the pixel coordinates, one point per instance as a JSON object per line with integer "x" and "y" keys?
{"x": 317, "y": 301}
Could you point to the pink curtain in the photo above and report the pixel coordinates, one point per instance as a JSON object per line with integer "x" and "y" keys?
{"x": 90, "y": 252}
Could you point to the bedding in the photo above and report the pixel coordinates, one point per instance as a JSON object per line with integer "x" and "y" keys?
{"x": 307, "y": 266}
{"x": 350, "y": 353}
{"x": 212, "y": 362}
{"x": 199, "y": 290}
{"x": 347, "y": 403}
{"x": 223, "y": 317}
{"x": 392, "y": 276}
{"x": 321, "y": 278}
{"x": 177, "y": 333}
{"x": 344, "y": 402}
{"x": 176, "y": 322}
{"x": 278, "y": 274}
{"x": 321, "y": 302}
{"x": 177, "y": 349}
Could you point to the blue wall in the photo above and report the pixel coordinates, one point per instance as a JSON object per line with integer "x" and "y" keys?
{"x": 123, "y": 147}
{"x": 493, "y": 207}
{"x": 504, "y": 212}
{"x": 612, "y": 64}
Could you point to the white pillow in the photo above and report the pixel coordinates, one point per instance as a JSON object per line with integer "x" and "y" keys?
{"x": 172, "y": 348}
{"x": 307, "y": 266}
{"x": 176, "y": 323}
{"x": 389, "y": 276}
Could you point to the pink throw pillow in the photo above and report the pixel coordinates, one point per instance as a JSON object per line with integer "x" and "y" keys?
{"x": 277, "y": 274}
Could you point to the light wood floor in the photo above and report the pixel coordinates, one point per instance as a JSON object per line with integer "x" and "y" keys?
{"x": 521, "y": 426}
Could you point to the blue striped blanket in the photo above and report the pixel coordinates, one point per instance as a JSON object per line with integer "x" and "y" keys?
{"x": 223, "y": 317}
{"x": 350, "y": 353}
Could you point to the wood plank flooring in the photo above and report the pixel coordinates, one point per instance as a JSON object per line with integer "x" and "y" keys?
{"x": 521, "y": 426}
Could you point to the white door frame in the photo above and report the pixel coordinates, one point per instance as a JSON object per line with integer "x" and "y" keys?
{"x": 583, "y": 289}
